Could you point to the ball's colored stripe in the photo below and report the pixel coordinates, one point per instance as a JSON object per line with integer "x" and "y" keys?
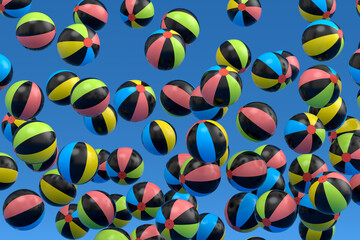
{"x": 95, "y": 11}
{"x": 20, "y": 205}
{"x": 122, "y": 94}
{"x": 56, "y": 195}
{"x": 170, "y": 136}
{"x": 68, "y": 49}
{"x": 202, "y": 173}
{"x": 16, "y": 12}
{"x": 205, "y": 144}
{"x": 146, "y": 14}
{"x": 320, "y": 45}
{"x": 89, "y": 56}
{"x": 263, "y": 120}
{"x": 62, "y": 90}
{"x": 34, "y": 16}
{"x": 185, "y": 22}
{"x": 254, "y": 11}
{"x": 154, "y": 51}
{"x": 272, "y": 61}
{"x": 177, "y": 95}
{"x": 79, "y": 29}
{"x": 147, "y": 140}
{"x": 141, "y": 110}
{"x": 104, "y": 203}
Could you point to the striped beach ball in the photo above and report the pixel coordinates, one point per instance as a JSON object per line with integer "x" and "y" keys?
{"x": 101, "y": 175}
{"x": 308, "y": 234}
{"x": 137, "y": 14}
{"x": 6, "y": 71}
{"x": 68, "y": 223}
{"x": 35, "y": 31}
{"x": 20, "y": 203}
{"x": 323, "y": 40}
{"x": 135, "y": 100}
{"x": 211, "y": 227}
{"x": 78, "y": 45}
{"x": 350, "y": 125}
{"x": 59, "y": 85}
{"x": 273, "y": 181}
{"x": 165, "y": 49}
{"x": 24, "y": 99}
{"x": 256, "y": 121}
{"x": 122, "y": 215}
{"x": 312, "y": 10}
{"x": 8, "y": 171}
{"x": 234, "y": 53}
{"x": 92, "y": 13}
{"x": 102, "y": 124}
{"x": 355, "y": 188}
{"x": 172, "y": 171}
{"x": 112, "y": 233}
{"x": 146, "y": 232}
{"x": 244, "y": 12}
{"x": 44, "y": 166}
{"x": 354, "y": 66}
{"x": 9, "y": 125}
{"x": 273, "y": 156}
{"x": 34, "y": 142}
{"x": 294, "y": 63}
{"x": 171, "y": 195}
{"x": 96, "y": 209}
{"x": 14, "y": 8}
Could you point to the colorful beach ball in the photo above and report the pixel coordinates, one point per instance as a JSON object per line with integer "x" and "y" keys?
{"x": 135, "y": 100}
{"x": 354, "y": 66}
{"x": 312, "y": 10}
{"x": 271, "y": 72}
{"x": 78, "y": 162}
{"x": 96, "y": 209}
{"x": 9, "y": 125}
{"x": 34, "y": 142}
{"x": 294, "y": 63}
{"x": 146, "y": 232}
{"x": 55, "y": 190}
{"x": 207, "y": 141}
{"x": 90, "y": 97}
{"x": 14, "y": 8}
{"x": 175, "y": 98}
{"x": 221, "y": 86}
{"x": 304, "y": 133}
{"x": 6, "y": 71}
{"x": 234, "y": 53}
{"x": 355, "y": 188}
{"x": 273, "y": 181}
{"x": 256, "y": 121}
{"x": 8, "y": 171}
{"x": 101, "y": 175}
{"x": 177, "y": 219}
{"x": 275, "y": 211}
{"x": 144, "y": 200}
{"x": 102, "y": 124}
{"x": 20, "y": 203}
{"x": 244, "y": 12}
{"x": 304, "y": 169}
{"x": 159, "y": 137}
{"x": 211, "y": 227}
{"x": 165, "y": 49}
{"x": 112, "y": 233}
{"x": 78, "y": 45}
{"x": 350, "y": 125}
{"x": 308, "y": 234}
{"x": 59, "y": 85}
{"x": 199, "y": 178}
{"x": 68, "y": 223}
{"x": 273, "y": 156}
{"x": 322, "y": 40}
{"x": 91, "y": 13}
{"x": 240, "y": 212}
{"x": 330, "y": 201}
{"x": 35, "y": 31}
{"x": 183, "y": 22}
{"x": 122, "y": 215}
{"x": 172, "y": 171}
{"x": 246, "y": 171}
{"x": 137, "y": 14}
{"x": 24, "y": 99}
{"x": 171, "y": 195}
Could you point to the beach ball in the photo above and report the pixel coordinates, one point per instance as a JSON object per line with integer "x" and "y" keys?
{"x": 175, "y": 98}
{"x": 14, "y": 8}
{"x": 165, "y": 49}
{"x": 9, "y": 125}
{"x": 183, "y": 22}
{"x": 295, "y": 194}
{"x": 91, "y": 13}
{"x": 78, "y": 45}
{"x": 207, "y": 141}
{"x": 6, "y": 71}
{"x": 78, "y": 162}
{"x": 44, "y": 166}
{"x": 320, "y": 86}
{"x": 221, "y": 86}
{"x": 294, "y": 63}
{"x": 199, "y": 178}
{"x": 273, "y": 181}
{"x": 172, "y": 171}
{"x": 240, "y": 212}
{"x": 177, "y": 219}
{"x": 312, "y": 10}
{"x": 203, "y": 110}
{"x": 135, "y": 100}
{"x": 355, "y": 188}
{"x": 34, "y": 142}
{"x": 246, "y": 171}
{"x": 55, "y": 190}
{"x": 211, "y": 227}
{"x": 146, "y": 232}
{"x": 112, "y": 233}
{"x": 96, "y": 209}
{"x": 20, "y": 203}
{"x": 124, "y": 166}
{"x": 159, "y": 137}
{"x": 271, "y": 72}
{"x": 322, "y": 40}
{"x": 244, "y": 12}
{"x": 354, "y": 66}
{"x": 8, "y": 171}
{"x": 275, "y": 211}
{"x": 144, "y": 200}
{"x": 68, "y": 223}
{"x": 350, "y": 125}
{"x": 273, "y": 156}
{"x": 308, "y": 234}
{"x": 330, "y": 201}
{"x": 304, "y": 169}
{"x": 304, "y": 133}
{"x": 256, "y": 121}
{"x": 122, "y": 215}
{"x": 35, "y": 31}
{"x": 137, "y": 14}
{"x": 24, "y": 99}
{"x": 101, "y": 175}
{"x": 343, "y": 153}
{"x": 102, "y": 124}
{"x": 59, "y": 85}
{"x": 171, "y": 195}
{"x": 234, "y": 53}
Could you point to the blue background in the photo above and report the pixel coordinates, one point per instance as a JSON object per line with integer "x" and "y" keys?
{"x": 121, "y": 58}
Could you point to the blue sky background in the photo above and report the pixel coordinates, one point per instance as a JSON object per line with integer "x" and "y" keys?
{"x": 122, "y": 58}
